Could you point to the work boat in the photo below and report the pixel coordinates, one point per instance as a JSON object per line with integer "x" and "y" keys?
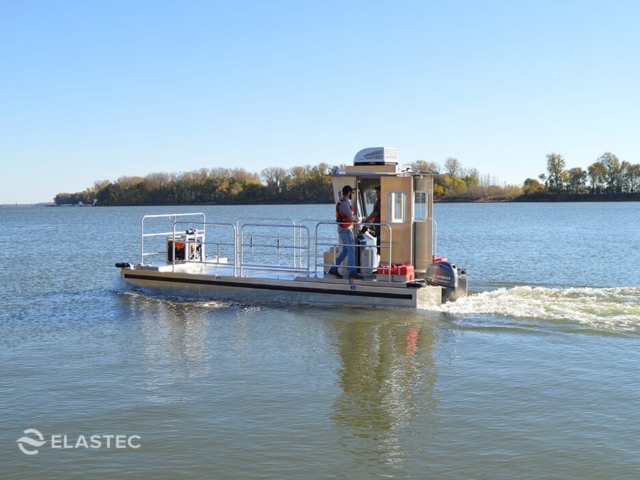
{"x": 282, "y": 260}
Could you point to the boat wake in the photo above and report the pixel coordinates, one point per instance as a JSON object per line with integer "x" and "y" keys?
{"x": 602, "y": 308}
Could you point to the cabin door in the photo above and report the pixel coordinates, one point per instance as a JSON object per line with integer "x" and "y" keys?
{"x": 396, "y": 203}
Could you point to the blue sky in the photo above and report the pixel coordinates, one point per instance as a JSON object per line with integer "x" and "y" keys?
{"x": 98, "y": 90}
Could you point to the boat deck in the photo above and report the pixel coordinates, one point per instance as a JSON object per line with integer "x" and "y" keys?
{"x": 264, "y": 274}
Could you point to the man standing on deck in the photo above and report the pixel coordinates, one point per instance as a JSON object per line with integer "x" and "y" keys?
{"x": 346, "y": 218}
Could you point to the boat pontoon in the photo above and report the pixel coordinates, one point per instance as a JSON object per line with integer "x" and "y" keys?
{"x": 276, "y": 260}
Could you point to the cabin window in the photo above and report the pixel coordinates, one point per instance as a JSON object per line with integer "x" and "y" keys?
{"x": 370, "y": 197}
{"x": 397, "y": 207}
{"x": 420, "y": 212}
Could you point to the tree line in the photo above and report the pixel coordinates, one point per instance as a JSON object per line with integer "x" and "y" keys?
{"x": 608, "y": 175}
{"x": 273, "y": 185}
{"x": 220, "y": 186}
{"x": 311, "y": 184}
{"x": 452, "y": 181}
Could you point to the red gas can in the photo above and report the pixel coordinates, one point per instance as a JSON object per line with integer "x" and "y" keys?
{"x": 403, "y": 272}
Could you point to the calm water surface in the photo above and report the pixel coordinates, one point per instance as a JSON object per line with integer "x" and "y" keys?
{"x": 535, "y": 375}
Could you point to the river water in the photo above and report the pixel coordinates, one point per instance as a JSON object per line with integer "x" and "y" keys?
{"x": 534, "y": 375}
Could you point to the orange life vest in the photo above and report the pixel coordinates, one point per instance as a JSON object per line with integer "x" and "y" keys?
{"x": 342, "y": 219}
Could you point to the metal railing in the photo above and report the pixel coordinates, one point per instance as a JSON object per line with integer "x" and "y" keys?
{"x": 261, "y": 247}
{"x": 250, "y": 244}
{"x": 334, "y": 243}
{"x": 173, "y": 218}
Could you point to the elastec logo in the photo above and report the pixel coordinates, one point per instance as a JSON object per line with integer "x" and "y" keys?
{"x": 30, "y": 446}
{"x": 31, "y": 442}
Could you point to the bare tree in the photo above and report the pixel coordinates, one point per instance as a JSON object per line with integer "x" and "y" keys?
{"x": 453, "y": 167}
{"x": 424, "y": 166}
{"x": 274, "y": 178}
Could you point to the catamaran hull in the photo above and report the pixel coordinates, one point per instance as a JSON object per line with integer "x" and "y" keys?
{"x": 302, "y": 290}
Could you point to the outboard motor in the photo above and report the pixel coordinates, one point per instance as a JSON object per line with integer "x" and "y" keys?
{"x": 445, "y": 275}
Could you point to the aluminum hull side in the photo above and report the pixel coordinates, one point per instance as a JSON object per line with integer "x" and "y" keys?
{"x": 302, "y": 290}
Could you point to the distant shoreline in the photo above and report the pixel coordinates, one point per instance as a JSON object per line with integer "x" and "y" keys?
{"x": 538, "y": 198}
{"x": 548, "y": 198}
{"x": 26, "y": 205}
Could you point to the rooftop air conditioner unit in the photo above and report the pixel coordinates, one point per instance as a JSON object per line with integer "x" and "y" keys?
{"x": 376, "y": 156}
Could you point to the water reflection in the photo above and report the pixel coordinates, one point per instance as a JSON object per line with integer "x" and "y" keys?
{"x": 175, "y": 349}
{"x": 387, "y": 378}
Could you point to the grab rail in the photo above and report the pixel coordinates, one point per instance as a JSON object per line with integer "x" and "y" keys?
{"x": 218, "y": 244}
{"x": 173, "y": 217}
{"x": 272, "y": 247}
{"x": 335, "y": 243}
{"x": 255, "y": 244}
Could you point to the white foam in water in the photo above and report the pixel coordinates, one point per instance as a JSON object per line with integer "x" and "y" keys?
{"x": 617, "y": 308}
